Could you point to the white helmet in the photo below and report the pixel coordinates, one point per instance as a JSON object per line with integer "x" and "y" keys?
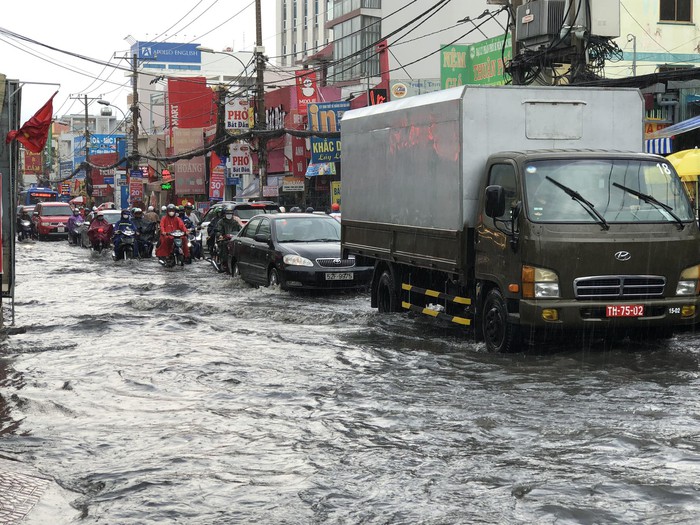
{"x": 162, "y": 208}
{"x": 150, "y": 208}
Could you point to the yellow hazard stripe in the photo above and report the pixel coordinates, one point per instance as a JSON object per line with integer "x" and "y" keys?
{"x": 438, "y": 315}
{"x": 436, "y": 294}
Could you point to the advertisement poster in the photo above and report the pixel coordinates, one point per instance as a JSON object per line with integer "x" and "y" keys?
{"x": 335, "y": 192}
{"x": 33, "y": 163}
{"x": 237, "y": 114}
{"x": 217, "y": 178}
{"x": 241, "y": 162}
{"x": 325, "y": 117}
{"x": 136, "y": 186}
{"x": 189, "y": 173}
{"x": 306, "y": 89}
{"x": 481, "y": 63}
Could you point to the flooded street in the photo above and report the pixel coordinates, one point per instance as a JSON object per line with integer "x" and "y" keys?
{"x": 171, "y": 396}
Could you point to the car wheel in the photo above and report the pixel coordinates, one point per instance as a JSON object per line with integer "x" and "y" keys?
{"x": 499, "y": 335}
{"x": 235, "y": 270}
{"x": 273, "y": 278}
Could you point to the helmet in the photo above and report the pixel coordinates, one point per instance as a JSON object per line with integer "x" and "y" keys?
{"x": 228, "y": 208}
{"x": 150, "y": 208}
{"x": 100, "y": 213}
{"x": 162, "y": 208}
{"x": 170, "y": 207}
{"x": 136, "y": 210}
{"x": 335, "y": 206}
{"x": 295, "y": 209}
{"x": 309, "y": 210}
{"x": 76, "y": 211}
{"x": 189, "y": 206}
{"x": 94, "y": 208}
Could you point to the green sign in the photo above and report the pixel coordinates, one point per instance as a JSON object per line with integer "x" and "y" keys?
{"x": 480, "y": 63}
{"x": 166, "y": 186}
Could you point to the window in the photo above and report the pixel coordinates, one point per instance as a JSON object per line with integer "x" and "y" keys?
{"x": 675, "y": 11}
{"x": 504, "y": 175}
{"x": 251, "y": 227}
{"x": 264, "y": 228}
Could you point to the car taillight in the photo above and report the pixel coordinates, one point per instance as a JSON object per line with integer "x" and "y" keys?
{"x": 100, "y": 230}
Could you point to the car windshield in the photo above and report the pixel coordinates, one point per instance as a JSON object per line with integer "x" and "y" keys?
{"x": 621, "y": 191}
{"x": 307, "y": 229}
{"x": 56, "y": 211}
{"x": 112, "y": 218}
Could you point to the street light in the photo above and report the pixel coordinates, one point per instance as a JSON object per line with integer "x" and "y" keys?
{"x": 108, "y": 103}
{"x": 204, "y": 49}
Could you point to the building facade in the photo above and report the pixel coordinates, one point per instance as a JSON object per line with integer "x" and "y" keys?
{"x": 302, "y": 29}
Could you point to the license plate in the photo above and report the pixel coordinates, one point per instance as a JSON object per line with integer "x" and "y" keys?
{"x": 624, "y": 310}
{"x": 60, "y": 229}
{"x": 339, "y": 276}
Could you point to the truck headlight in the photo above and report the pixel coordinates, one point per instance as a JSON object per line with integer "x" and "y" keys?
{"x": 539, "y": 283}
{"x": 689, "y": 283}
{"x": 296, "y": 260}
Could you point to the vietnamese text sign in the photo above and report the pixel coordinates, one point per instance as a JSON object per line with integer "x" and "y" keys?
{"x": 480, "y": 63}
{"x": 189, "y": 174}
{"x": 241, "y": 163}
{"x": 325, "y": 117}
{"x": 335, "y": 192}
{"x": 237, "y": 114}
{"x": 217, "y": 178}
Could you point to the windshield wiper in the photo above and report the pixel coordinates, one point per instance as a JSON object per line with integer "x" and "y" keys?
{"x": 654, "y": 202}
{"x": 586, "y": 205}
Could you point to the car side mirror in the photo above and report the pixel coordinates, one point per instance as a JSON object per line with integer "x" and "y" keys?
{"x": 261, "y": 237}
{"x": 495, "y": 201}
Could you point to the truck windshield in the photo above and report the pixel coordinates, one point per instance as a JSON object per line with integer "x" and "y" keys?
{"x": 657, "y": 193}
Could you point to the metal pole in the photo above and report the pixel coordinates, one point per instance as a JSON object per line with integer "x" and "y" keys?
{"x": 633, "y": 39}
{"x": 88, "y": 169}
{"x": 260, "y": 121}
{"x": 134, "y": 164}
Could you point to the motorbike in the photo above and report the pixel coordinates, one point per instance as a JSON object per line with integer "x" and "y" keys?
{"x": 75, "y": 232}
{"x": 194, "y": 237}
{"x": 145, "y": 241}
{"x": 217, "y": 249}
{"x": 125, "y": 250}
{"x": 81, "y": 233}
{"x": 177, "y": 257}
{"x": 99, "y": 240}
{"x": 25, "y": 230}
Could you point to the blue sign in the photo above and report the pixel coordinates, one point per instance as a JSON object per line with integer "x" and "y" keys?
{"x": 233, "y": 181}
{"x": 325, "y": 117}
{"x": 99, "y": 144}
{"x": 66, "y": 168}
{"x": 167, "y": 52}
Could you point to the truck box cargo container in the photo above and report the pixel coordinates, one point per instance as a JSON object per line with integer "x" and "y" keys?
{"x": 520, "y": 210}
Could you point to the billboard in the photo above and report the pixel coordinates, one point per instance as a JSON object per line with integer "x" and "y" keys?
{"x": 306, "y": 89}
{"x": 325, "y": 117}
{"x": 164, "y": 52}
{"x": 33, "y": 164}
{"x": 190, "y": 104}
{"x": 237, "y": 114}
{"x": 189, "y": 174}
{"x": 481, "y": 63}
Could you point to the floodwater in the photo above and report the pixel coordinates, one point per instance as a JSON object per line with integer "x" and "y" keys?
{"x": 171, "y": 396}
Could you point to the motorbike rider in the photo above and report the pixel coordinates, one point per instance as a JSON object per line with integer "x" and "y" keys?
{"x": 97, "y": 224}
{"x": 169, "y": 223}
{"x": 22, "y": 216}
{"x": 185, "y": 219}
{"x": 151, "y": 215}
{"x": 191, "y": 214}
{"x": 228, "y": 225}
{"x": 123, "y": 223}
{"x": 74, "y": 221}
{"x": 211, "y": 239}
{"x": 144, "y": 232}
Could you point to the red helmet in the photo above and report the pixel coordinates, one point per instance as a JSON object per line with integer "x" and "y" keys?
{"x": 335, "y": 206}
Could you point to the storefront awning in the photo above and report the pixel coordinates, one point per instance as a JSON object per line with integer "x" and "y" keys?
{"x": 681, "y": 127}
{"x": 658, "y": 146}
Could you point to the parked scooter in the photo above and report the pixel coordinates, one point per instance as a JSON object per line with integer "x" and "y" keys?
{"x": 25, "y": 230}
{"x": 177, "y": 256}
{"x": 124, "y": 244}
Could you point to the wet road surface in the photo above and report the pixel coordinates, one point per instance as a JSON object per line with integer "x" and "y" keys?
{"x": 170, "y": 396}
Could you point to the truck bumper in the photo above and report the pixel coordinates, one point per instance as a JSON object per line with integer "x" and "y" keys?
{"x": 572, "y": 314}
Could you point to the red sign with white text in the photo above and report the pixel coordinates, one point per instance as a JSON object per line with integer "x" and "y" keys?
{"x": 217, "y": 179}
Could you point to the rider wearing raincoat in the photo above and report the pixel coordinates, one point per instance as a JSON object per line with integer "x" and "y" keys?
{"x": 169, "y": 223}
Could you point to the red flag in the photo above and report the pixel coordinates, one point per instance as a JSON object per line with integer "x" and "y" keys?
{"x": 34, "y": 133}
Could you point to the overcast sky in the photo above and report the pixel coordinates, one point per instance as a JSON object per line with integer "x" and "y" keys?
{"x": 98, "y": 30}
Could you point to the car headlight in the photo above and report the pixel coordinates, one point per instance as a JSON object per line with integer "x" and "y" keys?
{"x": 689, "y": 283}
{"x": 296, "y": 260}
{"x": 46, "y": 224}
{"x": 539, "y": 283}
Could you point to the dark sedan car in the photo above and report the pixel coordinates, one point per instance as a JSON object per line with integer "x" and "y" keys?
{"x": 295, "y": 251}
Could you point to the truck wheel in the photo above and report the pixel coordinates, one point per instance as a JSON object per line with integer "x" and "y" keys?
{"x": 387, "y": 298}
{"x": 499, "y": 334}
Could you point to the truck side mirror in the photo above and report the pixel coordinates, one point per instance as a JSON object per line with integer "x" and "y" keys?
{"x": 495, "y": 201}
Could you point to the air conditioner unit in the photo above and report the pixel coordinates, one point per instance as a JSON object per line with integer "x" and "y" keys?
{"x": 539, "y": 22}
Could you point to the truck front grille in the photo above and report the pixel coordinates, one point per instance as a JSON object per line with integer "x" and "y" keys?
{"x": 619, "y": 286}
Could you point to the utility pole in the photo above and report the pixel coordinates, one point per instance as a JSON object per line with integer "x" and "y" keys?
{"x": 88, "y": 169}
{"x": 221, "y": 150}
{"x": 134, "y": 113}
{"x": 260, "y": 120}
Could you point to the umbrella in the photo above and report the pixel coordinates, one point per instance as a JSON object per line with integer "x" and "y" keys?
{"x": 687, "y": 164}
{"x": 78, "y": 200}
